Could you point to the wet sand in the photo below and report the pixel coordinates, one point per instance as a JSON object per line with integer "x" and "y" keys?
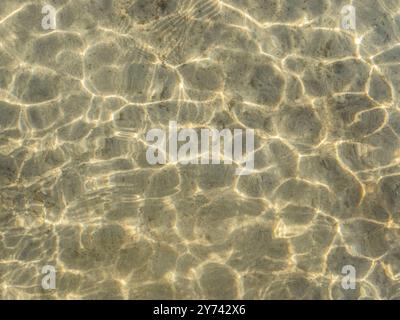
{"x": 77, "y": 192}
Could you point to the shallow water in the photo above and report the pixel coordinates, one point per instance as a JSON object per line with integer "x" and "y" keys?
{"x": 78, "y": 194}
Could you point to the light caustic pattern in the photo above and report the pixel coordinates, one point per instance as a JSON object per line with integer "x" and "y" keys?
{"x": 78, "y": 194}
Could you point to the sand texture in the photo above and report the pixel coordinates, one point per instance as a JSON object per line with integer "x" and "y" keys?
{"x": 77, "y": 193}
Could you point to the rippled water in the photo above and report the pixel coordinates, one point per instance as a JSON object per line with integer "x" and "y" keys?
{"x": 78, "y": 194}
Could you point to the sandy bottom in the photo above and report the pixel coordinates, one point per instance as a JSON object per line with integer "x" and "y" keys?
{"x": 77, "y": 193}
